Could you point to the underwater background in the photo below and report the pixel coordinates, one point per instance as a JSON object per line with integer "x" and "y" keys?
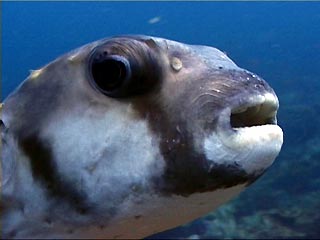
{"x": 280, "y": 41}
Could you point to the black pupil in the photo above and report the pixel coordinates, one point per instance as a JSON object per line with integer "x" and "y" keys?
{"x": 108, "y": 74}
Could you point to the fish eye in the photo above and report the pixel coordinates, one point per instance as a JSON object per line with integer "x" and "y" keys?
{"x": 109, "y": 73}
{"x": 123, "y": 68}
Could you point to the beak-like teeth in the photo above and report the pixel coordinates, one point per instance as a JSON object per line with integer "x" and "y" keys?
{"x": 260, "y": 110}
{"x": 239, "y": 110}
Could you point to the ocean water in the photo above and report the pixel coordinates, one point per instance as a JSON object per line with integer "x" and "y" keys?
{"x": 280, "y": 41}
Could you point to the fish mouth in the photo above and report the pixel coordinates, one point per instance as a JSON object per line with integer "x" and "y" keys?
{"x": 256, "y": 111}
{"x": 247, "y": 134}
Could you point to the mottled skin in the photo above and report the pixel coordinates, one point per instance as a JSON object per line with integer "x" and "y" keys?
{"x": 80, "y": 162}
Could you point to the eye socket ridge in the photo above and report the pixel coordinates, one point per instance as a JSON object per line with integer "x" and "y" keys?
{"x": 110, "y": 73}
{"x": 121, "y": 69}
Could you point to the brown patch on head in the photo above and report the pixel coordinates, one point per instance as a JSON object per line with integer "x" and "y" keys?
{"x": 181, "y": 110}
{"x": 187, "y": 170}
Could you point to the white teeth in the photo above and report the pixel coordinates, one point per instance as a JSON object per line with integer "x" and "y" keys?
{"x": 239, "y": 110}
{"x": 256, "y": 109}
{"x": 259, "y": 99}
{"x": 266, "y": 105}
{"x": 271, "y": 100}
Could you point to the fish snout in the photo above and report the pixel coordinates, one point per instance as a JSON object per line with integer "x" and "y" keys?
{"x": 246, "y": 138}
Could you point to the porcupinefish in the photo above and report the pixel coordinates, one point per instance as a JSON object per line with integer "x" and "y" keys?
{"x": 130, "y": 136}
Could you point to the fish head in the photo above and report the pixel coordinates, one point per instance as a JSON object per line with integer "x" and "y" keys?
{"x": 135, "y": 126}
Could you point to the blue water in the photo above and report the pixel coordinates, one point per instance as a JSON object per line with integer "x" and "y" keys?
{"x": 278, "y": 40}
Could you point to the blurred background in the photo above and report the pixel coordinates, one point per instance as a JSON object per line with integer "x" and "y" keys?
{"x": 280, "y": 41}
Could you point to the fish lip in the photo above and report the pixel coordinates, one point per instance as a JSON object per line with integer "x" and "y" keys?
{"x": 254, "y": 110}
{"x": 253, "y": 147}
{"x": 266, "y": 106}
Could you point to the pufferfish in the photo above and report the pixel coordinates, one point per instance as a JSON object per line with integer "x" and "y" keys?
{"x": 130, "y": 136}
